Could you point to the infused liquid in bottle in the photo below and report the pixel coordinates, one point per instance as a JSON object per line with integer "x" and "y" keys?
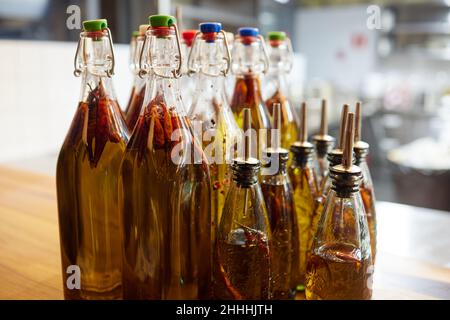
{"x": 87, "y": 173}
{"x": 323, "y": 143}
{"x": 249, "y": 61}
{"x": 275, "y": 89}
{"x": 165, "y": 186}
{"x": 138, "y": 92}
{"x": 301, "y": 174}
{"x": 210, "y": 110}
{"x": 361, "y": 149}
{"x": 242, "y": 262}
{"x": 340, "y": 266}
{"x": 278, "y": 195}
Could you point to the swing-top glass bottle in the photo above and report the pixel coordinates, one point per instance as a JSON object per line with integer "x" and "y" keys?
{"x": 87, "y": 173}
{"x": 165, "y": 184}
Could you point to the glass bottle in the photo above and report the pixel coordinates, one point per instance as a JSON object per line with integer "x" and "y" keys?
{"x": 188, "y": 80}
{"x": 340, "y": 266}
{"x": 305, "y": 189}
{"x": 323, "y": 143}
{"x": 165, "y": 194}
{"x": 361, "y": 149}
{"x": 210, "y": 59}
{"x": 275, "y": 89}
{"x": 242, "y": 264}
{"x": 87, "y": 173}
{"x": 249, "y": 61}
{"x": 131, "y": 62}
{"x": 278, "y": 196}
{"x": 138, "y": 91}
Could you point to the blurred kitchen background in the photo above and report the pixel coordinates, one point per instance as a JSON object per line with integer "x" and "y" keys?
{"x": 394, "y": 56}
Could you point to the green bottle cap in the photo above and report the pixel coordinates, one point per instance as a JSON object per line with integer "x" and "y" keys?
{"x": 135, "y": 34}
{"x": 277, "y": 35}
{"x": 161, "y": 20}
{"x": 95, "y": 25}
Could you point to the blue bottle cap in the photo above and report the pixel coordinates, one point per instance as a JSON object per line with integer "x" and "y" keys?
{"x": 207, "y": 27}
{"x": 248, "y": 32}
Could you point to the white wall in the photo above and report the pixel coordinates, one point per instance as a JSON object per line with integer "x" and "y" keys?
{"x": 39, "y": 95}
{"x": 324, "y": 37}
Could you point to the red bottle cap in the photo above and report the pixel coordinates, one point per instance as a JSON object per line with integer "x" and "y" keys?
{"x": 188, "y": 36}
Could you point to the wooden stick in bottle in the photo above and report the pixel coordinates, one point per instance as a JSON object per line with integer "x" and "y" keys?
{"x": 347, "y": 156}
{"x": 342, "y": 128}
{"x": 358, "y": 120}
{"x": 277, "y": 125}
{"x": 323, "y": 119}
{"x": 303, "y": 128}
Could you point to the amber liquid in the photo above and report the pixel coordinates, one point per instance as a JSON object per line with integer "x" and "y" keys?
{"x": 369, "y": 207}
{"x": 306, "y": 212}
{"x": 284, "y": 249}
{"x": 337, "y": 272}
{"x": 134, "y": 107}
{"x": 244, "y": 263}
{"x": 166, "y": 206}
{"x": 288, "y": 125}
{"x": 247, "y": 94}
{"x": 87, "y": 175}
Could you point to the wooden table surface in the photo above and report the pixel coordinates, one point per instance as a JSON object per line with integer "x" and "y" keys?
{"x": 413, "y": 260}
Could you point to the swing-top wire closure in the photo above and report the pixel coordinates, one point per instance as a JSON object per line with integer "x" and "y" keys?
{"x": 78, "y": 67}
{"x": 290, "y": 60}
{"x": 227, "y": 58}
{"x": 265, "y": 59}
{"x": 175, "y": 73}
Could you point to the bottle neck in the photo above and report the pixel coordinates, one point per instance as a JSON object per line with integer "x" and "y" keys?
{"x": 209, "y": 96}
{"x": 138, "y": 81}
{"x": 245, "y": 173}
{"x": 276, "y": 83}
{"x": 361, "y": 150}
{"x": 166, "y": 90}
{"x": 302, "y": 155}
{"x": 210, "y": 83}
{"x": 248, "y": 58}
{"x": 323, "y": 147}
{"x": 161, "y": 57}
{"x": 99, "y": 86}
{"x": 345, "y": 182}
